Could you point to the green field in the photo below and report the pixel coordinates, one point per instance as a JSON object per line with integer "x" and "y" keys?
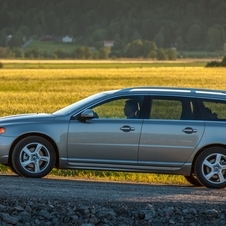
{"x": 81, "y": 64}
{"x": 50, "y": 46}
{"x": 47, "y": 90}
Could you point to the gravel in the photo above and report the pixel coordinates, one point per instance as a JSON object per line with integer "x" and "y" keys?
{"x": 29, "y": 212}
{"x": 47, "y": 202}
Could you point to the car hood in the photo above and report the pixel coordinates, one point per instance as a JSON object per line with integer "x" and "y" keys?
{"x": 26, "y": 117}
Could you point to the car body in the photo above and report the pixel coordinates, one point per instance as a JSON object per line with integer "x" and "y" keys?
{"x": 180, "y": 131}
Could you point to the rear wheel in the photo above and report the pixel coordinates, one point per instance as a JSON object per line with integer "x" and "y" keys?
{"x": 193, "y": 180}
{"x": 33, "y": 157}
{"x": 210, "y": 167}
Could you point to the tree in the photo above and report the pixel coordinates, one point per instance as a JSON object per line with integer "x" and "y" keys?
{"x": 179, "y": 44}
{"x": 88, "y": 52}
{"x": 225, "y": 46}
{"x": 148, "y": 27}
{"x": 80, "y": 52}
{"x": 35, "y": 53}
{"x": 18, "y": 52}
{"x": 159, "y": 40}
{"x": 2, "y": 39}
{"x": 213, "y": 39}
{"x": 193, "y": 36}
{"x": 135, "y": 35}
{"x": 46, "y": 55}
{"x": 224, "y": 61}
{"x": 61, "y": 54}
{"x": 38, "y": 31}
{"x": 16, "y": 40}
{"x": 103, "y": 53}
{"x": 193, "y": 25}
{"x": 99, "y": 35}
{"x": 149, "y": 48}
{"x": 161, "y": 54}
{"x": 171, "y": 54}
{"x": 134, "y": 49}
{"x": 3, "y": 52}
{"x": 152, "y": 54}
{"x": 113, "y": 28}
{"x": 25, "y": 31}
{"x": 118, "y": 43}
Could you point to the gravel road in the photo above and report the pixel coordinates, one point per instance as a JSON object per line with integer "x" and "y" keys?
{"x": 96, "y": 191}
{"x": 164, "y": 204}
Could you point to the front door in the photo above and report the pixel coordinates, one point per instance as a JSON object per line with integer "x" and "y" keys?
{"x": 112, "y": 137}
{"x": 104, "y": 141}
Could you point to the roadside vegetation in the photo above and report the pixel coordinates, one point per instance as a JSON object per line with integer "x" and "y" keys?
{"x": 217, "y": 63}
{"x": 47, "y": 90}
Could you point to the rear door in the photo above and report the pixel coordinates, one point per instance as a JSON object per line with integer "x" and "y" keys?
{"x": 171, "y": 132}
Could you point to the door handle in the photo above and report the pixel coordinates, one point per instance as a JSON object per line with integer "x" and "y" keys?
{"x": 189, "y": 130}
{"x": 127, "y": 128}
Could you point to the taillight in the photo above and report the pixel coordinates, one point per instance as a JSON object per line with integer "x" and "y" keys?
{"x": 2, "y": 130}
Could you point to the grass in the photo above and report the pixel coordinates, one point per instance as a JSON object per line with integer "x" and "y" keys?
{"x": 47, "y": 90}
{"x": 120, "y": 176}
{"x": 104, "y": 64}
{"x": 50, "y": 46}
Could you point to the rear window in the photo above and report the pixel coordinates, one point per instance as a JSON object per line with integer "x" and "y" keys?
{"x": 213, "y": 110}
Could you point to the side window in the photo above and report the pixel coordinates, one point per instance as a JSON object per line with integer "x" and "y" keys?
{"x": 213, "y": 109}
{"x": 172, "y": 108}
{"x": 166, "y": 109}
{"x": 120, "y": 108}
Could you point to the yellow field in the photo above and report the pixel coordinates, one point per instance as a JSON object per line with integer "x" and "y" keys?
{"x": 42, "y": 90}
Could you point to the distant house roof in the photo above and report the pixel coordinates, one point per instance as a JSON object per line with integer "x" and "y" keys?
{"x": 67, "y": 39}
{"x": 46, "y": 38}
{"x": 108, "y": 43}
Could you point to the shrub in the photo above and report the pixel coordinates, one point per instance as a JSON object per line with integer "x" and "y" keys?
{"x": 224, "y": 62}
{"x": 213, "y": 64}
{"x": 217, "y": 63}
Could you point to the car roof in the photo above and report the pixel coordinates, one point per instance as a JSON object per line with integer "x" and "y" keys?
{"x": 176, "y": 90}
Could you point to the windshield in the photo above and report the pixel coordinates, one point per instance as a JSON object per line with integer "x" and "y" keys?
{"x": 79, "y": 104}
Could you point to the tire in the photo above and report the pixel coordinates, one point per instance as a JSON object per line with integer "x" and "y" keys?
{"x": 210, "y": 167}
{"x": 33, "y": 157}
{"x": 12, "y": 169}
{"x": 193, "y": 180}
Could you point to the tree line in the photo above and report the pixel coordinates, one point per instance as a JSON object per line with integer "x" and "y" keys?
{"x": 136, "y": 49}
{"x": 180, "y": 24}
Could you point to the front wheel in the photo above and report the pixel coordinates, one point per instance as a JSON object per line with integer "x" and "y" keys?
{"x": 210, "y": 167}
{"x": 33, "y": 157}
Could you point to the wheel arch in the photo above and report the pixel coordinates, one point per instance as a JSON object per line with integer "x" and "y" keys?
{"x": 203, "y": 149}
{"x": 39, "y": 135}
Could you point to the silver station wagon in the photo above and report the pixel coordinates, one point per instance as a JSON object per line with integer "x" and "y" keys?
{"x": 160, "y": 130}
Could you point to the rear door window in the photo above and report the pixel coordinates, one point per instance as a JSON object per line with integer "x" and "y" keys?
{"x": 174, "y": 108}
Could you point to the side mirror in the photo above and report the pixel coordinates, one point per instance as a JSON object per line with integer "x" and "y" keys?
{"x": 87, "y": 114}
